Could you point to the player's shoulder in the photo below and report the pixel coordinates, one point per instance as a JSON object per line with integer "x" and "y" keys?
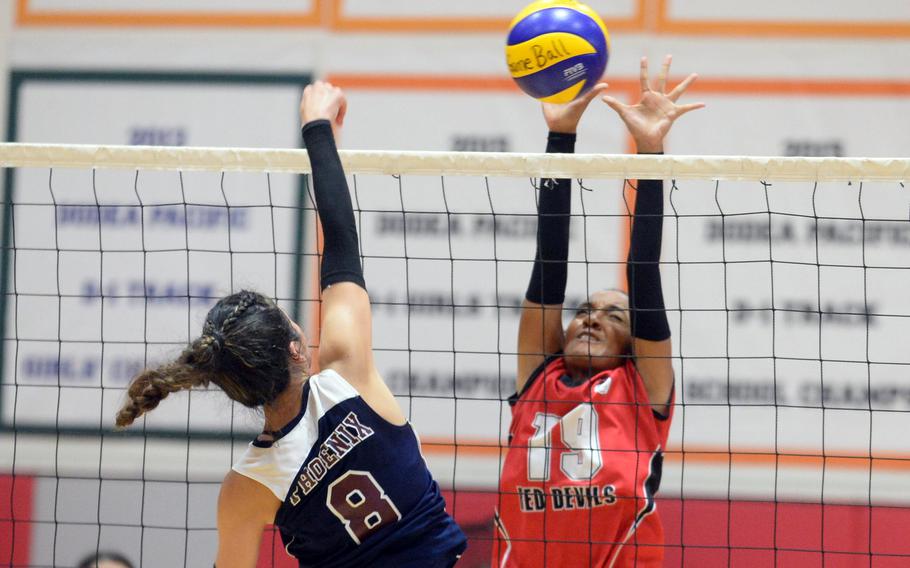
{"x": 242, "y": 497}
{"x": 236, "y": 486}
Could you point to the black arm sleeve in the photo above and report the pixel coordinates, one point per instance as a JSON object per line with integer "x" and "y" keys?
{"x": 340, "y": 254}
{"x": 548, "y": 277}
{"x": 646, "y": 299}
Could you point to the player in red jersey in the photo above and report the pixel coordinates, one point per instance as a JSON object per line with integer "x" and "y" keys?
{"x": 593, "y": 402}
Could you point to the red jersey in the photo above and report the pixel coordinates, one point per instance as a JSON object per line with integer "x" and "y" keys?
{"x": 583, "y": 465}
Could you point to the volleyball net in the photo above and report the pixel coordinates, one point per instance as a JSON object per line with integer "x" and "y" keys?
{"x": 785, "y": 282}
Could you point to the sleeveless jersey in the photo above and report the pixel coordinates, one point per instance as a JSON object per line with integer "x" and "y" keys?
{"x": 579, "y": 478}
{"x": 355, "y": 489}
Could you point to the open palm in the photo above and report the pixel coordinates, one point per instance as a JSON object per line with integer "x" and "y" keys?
{"x": 651, "y": 118}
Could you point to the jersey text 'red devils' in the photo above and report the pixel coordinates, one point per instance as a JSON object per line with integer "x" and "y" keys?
{"x": 579, "y": 479}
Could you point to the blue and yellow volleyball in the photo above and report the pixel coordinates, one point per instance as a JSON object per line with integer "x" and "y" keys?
{"x": 557, "y": 50}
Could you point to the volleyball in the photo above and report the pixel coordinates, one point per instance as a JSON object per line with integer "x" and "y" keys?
{"x": 557, "y": 50}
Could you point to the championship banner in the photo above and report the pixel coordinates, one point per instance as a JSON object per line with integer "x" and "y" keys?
{"x": 79, "y": 324}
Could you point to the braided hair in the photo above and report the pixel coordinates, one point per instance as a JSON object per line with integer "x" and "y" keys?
{"x": 243, "y": 350}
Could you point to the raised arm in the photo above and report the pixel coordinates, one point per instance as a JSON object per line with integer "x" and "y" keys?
{"x": 648, "y": 122}
{"x": 540, "y": 331}
{"x": 345, "y": 343}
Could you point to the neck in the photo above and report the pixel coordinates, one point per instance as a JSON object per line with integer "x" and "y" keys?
{"x": 286, "y": 407}
{"x": 579, "y": 369}
{"x": 578, "y": 376}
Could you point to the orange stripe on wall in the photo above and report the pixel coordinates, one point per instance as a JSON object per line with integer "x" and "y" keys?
{"x": 424, "y": 82}
{"x": 812, "y": 87}
{"x": 460, "y": 83}
{"x": 629, "y": 86}
{"x": 25, "y": 16}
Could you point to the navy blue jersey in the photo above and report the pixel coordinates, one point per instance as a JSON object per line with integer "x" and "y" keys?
{"x": 355, "y": 489}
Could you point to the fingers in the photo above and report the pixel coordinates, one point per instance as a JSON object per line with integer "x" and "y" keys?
{"x": 323, "y": 88}
{"x": 681, "y": 88}
{"x": 342, "y": 109}
{"x": 304, "y": 98}
{"x": 593, "y": 93}
{"x": 683, "y": 109}
{"x": 600, "y": 87}
{"x": 316, "y": 88}
{"x": 613, "y": 103}
{"x": 664, "y": 72}
{"x": 323, "y": 100}
{"x": 643, "y": 75}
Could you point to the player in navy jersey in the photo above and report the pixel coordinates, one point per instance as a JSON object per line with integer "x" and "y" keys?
{"x": 593, "y": 401}
{"x": 338, "y": 468}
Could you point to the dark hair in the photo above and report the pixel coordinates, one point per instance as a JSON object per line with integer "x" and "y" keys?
{"x": 243, "y": 349}
{"x": 92, "y": 560}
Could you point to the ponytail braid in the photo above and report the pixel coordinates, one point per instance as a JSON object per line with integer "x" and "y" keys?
{"x": 243, "y": 350}
{"x": 151, "y": 386}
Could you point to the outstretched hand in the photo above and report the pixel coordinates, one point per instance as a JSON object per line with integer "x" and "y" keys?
{"x": 563, "y": 118}
{"x": 323, "y": 100}
{"x": 650, "y": 120}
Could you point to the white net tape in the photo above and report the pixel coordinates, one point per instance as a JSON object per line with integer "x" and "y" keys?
{"x": 592, "y": 166}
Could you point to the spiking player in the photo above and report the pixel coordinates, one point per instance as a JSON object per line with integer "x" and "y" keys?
{"x": 337, "y": 468}
{"x": 593, "y": 402}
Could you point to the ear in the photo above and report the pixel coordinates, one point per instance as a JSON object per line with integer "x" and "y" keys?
{"x": 294, "y": 350}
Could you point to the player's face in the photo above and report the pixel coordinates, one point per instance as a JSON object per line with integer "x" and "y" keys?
{"x": 598, "y": 336}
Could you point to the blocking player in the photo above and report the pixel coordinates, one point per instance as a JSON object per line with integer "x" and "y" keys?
{"x": 593, "y": 401}
{"x": 337, "y": 467}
